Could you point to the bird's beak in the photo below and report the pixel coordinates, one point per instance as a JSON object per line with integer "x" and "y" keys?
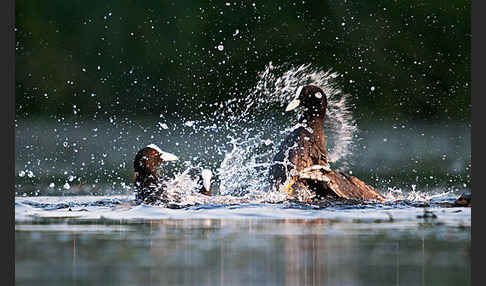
{"x": 295, "y": 102}
{"x": 165, "y": 156}
{"x": 207, "y": 175}
{"x": 168, "y": 156}
{"x": 292, "y": 105}
{"x": 135, "y": 175}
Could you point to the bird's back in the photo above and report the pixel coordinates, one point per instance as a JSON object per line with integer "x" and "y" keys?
{"x": 298, "y": 151}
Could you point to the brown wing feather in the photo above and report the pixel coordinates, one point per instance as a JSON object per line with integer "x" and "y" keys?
{"x": 302, "y": 149}
{"x": 340, "y": 184}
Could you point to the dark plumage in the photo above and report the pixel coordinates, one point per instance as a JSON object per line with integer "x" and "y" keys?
{"x": 150, "y": 187}
{"x": 303, "y": 157}
{"x": 305, "y": 146}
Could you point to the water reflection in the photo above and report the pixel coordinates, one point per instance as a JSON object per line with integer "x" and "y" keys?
{"x": 243, "y": 252}
{"x": 74, "y": 260}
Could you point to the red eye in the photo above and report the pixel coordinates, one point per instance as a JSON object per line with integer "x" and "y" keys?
{"x": 153, "y": 152}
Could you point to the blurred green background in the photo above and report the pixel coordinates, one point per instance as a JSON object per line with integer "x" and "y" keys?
{"x": 137, "y": 57}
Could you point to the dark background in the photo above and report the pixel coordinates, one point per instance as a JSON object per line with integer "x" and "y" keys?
{"x": 140, "y": 57}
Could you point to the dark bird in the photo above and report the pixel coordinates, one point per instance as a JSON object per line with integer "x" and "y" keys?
{"x": 150, "y": 185}
{"x": 301, "y": 167}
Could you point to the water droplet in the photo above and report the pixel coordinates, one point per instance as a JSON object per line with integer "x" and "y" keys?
{"x": 189, "y": 123}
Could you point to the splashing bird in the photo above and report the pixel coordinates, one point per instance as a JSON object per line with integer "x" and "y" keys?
{"x": 149, "y": 185}
{"x": 301, "y": 165}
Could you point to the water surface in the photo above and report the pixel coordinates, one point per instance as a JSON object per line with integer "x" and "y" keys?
{"x": 107, "y": 240}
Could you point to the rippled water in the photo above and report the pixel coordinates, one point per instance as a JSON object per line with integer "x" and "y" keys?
{"x": 110, "y": 240}
{"x": 249, "y": 244}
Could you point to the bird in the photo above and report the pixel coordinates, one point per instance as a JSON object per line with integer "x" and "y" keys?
{"x": 301, "y": 168}
{"x": 150, "y": 185}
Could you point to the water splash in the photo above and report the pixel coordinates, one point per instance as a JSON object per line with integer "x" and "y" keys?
{"x": 253, "y": 124}
{"x": 236, "y": 138}
{"x": 263, "y": 109}
{"x": 184, "y": 190}
{"x": 415, "y": 195}
{"x": 340, "y": 126}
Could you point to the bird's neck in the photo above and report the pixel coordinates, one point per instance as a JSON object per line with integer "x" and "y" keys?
{"x": 313, "y": 120}
{"x": 316, "y": 123}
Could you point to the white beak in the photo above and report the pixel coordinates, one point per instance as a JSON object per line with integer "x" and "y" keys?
{"x": 292, "y": 105}
{"x": 164, "y": 155}
{"x": 168, "y": 157}
{"x": 206, "y": 175}
{"x": 295, "y": 102}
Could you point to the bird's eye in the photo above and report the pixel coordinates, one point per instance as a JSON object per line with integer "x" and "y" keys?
{"x": 153, "y": 152}
{"x": 318, "y": 95}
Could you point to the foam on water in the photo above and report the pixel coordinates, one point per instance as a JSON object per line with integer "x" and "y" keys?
{"x": 414, "y": 195}
{"x": 122, "y": 208}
